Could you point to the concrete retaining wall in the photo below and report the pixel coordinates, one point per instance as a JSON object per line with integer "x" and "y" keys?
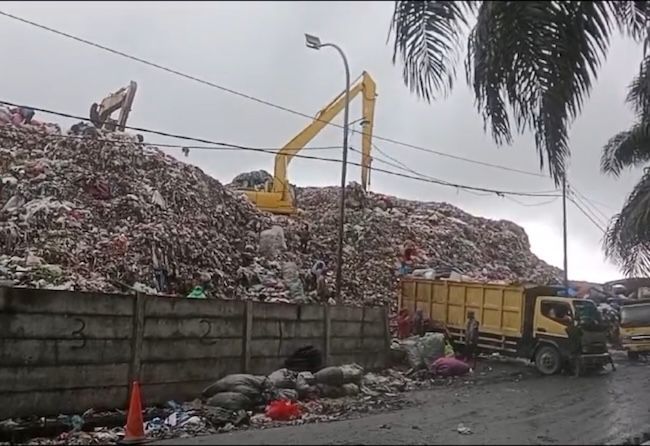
{"x": 65, "y": 352}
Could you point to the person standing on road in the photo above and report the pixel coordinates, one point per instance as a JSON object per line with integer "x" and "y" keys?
{"x": 471, "y": 338}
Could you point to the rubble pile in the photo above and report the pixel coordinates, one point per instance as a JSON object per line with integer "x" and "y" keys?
{"x": 103, "y": 212}
{"x": 378, "y": 225}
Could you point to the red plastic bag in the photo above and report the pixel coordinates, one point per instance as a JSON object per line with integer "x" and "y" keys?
{"x": 282, "y": 410}
{"x": 448, "y": 367}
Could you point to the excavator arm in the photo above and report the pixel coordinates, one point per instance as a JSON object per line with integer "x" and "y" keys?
{"x": 367, "y": 87}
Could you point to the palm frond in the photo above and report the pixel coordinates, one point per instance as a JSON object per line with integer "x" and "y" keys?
{"x": 540, "y": 58}
{"x": 632, "y": 18}
{"x": 427, "y": 38}
{"x": 627, "y": 149}
{"x": 638, "y": 95}
{"x": 627, "y": 241}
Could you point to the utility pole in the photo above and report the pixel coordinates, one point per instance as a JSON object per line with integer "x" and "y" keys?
{"x": 564, "y": 234}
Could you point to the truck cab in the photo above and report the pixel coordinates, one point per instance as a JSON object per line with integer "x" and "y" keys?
{"x": 567, "y": 332}
{"x": 635, "y": 328}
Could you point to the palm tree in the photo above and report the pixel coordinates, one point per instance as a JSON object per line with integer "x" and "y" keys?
{"x": 531, "y": 64}
{"x": 627, "y": 241}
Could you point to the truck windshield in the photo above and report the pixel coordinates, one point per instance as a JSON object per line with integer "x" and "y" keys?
{"x": 635, "y": 315}
{"x": 586, "y": 311}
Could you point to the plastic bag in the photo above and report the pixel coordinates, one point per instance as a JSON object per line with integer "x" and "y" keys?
{"x": 272, "y": 241}
{"x": 412, "y": 353}
{"x": 197, "y": 293}
{"x": 431, "y": 346}
{"x": 230, "y": 401}
{"x": 449, "y": 367}
{"x": 449, "y": 350}
{"x": 351, "y": 389}
{"x": 250, "y": 385}
{"x": 282, "y": 410}
{"x": 305, "y": 385}
{"x": 286, "y": 394}
{"x": 328, "y": 391}
{"x": 332, "y": 376}
{"x": 283, "y": 379}
{"x": 352, "y": 373}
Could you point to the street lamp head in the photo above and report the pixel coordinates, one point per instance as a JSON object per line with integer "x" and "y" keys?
{"x": 312, "y": 42}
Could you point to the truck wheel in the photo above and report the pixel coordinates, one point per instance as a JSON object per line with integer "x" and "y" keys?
{"x": 548, "y": 360}
{"x": 633, "y": 356}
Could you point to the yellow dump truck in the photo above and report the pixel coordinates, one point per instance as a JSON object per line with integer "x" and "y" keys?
{"x": 527, "y": 322}
{"x": 635, "y": 328}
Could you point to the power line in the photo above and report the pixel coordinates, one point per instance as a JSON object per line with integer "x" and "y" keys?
{"x": 543, "y": 203}
{"x": 576, "y": 195}
{"x": 588, "y": 210}
{"x": 586, "y": 214}
{"x": 267, "y": 103}
{"x": 222, "y": 144}
{"x": 262, "y": 101}
{"x": 589, "y": 202}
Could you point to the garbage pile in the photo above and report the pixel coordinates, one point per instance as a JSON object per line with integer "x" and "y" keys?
{"x": 105, "y": 213}
{"x": 94, "y": 210}
{"x": 378, "y": 225}
{"x": 251, "y": 180}
{"x": 236, "y": 402}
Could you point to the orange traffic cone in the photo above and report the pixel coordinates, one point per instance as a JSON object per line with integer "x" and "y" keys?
{"x": 134, "y": 433}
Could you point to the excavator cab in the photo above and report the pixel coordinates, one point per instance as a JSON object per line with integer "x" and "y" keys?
{"x": 122, "y": 100}
{"x": 278, "y": 196}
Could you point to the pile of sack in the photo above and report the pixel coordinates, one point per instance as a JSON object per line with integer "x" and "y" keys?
{"x": 248, "y": 392}
{"x": 238, "y": 391}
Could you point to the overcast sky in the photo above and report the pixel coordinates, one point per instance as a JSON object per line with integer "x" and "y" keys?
{"x": 258, "y": 49}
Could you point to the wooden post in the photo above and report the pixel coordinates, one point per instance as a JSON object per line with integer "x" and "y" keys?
{"x": 247, "y": 336}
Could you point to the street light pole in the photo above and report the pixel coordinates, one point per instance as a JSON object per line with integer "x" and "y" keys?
{"x": 315, "y": 43}
{"x": 564, "y": 237}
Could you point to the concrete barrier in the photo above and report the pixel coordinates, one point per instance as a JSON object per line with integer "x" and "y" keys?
{"x": 66, "y": 352}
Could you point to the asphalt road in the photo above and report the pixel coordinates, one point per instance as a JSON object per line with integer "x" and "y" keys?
{"x": 608, "y": 408}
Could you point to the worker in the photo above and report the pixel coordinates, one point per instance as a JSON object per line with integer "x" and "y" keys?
{"x": 22, "y": 115}
{"x": 471, "y": 338}
{"x": 304, "y": 237}
{"x": 318, "y": 271}
{"x": 322, "y": 290}
{"x": 406, "y": 259}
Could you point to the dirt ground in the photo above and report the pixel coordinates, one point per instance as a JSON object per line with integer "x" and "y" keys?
{"x": 507, "y": 404}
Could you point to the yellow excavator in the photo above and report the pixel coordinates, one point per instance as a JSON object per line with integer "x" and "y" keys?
{"x": 122, "y": 100}
{"x": 277, "y": 195}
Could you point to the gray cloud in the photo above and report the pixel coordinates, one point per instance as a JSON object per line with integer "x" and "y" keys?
{"x": 258, "y": 48}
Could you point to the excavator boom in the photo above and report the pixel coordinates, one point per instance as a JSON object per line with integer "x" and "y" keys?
{"x": 279, "y": 199}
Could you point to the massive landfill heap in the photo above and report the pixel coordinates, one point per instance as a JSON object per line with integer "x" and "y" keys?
{"x": 100, "y": 211}
{"x": 449, "y": 239}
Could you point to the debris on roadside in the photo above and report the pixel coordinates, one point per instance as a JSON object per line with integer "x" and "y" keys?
{"x": 350, "y": 393}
